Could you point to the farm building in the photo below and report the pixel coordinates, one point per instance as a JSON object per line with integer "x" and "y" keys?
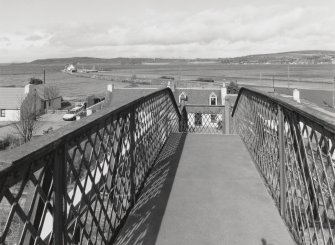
{"x": 70, "y": 68}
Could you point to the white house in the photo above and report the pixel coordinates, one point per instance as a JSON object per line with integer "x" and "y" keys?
{"x": 204, "y": 102}
{"x": 11, "y": 100}
{"x": 10, "y": 103}
{"x": 70, "y": 68}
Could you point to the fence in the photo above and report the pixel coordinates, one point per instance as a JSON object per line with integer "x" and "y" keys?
{"x": 78, "y": 184}
{"x": 293, "y": 147}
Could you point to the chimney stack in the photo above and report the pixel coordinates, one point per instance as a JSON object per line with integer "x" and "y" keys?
{"x": 27, "y": 88}
{"x": 223, "y": 93}
{"x": 171, "y": 86}
{"x": 110, "y": 87}
{"x": 108, "y": 99}
{"x": 296, "y": 95}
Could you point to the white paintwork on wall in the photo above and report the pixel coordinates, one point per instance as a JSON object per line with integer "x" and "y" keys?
{"x": 11, "y": 115}
{"x": 223, "y": 94}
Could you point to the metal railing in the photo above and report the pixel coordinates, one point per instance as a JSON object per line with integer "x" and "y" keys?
{"x": 293, "y": 147}
{"x": 207, "y": 119}
{"x": 203, "y": 119}
{"x": 78, "y": 184}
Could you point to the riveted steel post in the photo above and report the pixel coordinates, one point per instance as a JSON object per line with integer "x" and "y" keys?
{"x": 282, "y": 172}
{"x": 60, "y": 188}
{"x": 227, "y": 117}
{"x": 132, "y": 131}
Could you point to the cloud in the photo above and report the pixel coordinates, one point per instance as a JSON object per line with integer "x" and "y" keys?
{"x": 4, "y": 39}
{"x": 233, "y": 31}
{"x": 35, "y": 37}
{"x": 232, "y": 25}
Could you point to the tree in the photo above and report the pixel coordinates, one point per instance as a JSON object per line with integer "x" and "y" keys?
{"x": 51, "y": 92}
{"x": 233, "y": 88}
{"x": 27, "y": 123}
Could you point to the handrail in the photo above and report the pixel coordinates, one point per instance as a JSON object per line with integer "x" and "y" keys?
{"x": 301, "y": 109}
{"x": 207, "y": 106}
{"x": 79, "y": 183}
{"x": 293, "y": 147}
{"x": 51, "y": 141}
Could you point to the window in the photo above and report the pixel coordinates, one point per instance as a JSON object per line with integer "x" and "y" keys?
{"x": 182, "y": 96}
{"x": 2, "y": 113}
{"x": 213, "y": 118}
{"x": 198, "y": 119}
{"x": 213, "y": 99}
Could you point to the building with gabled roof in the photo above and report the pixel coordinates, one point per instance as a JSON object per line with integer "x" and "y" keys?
{"x": 10, "y": 103}
{"x": 11, "y": 100}
{"x": 206, "y": 102}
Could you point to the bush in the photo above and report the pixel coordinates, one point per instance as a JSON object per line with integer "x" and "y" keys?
{"x": 10, "y": 142}
{"x": 35, "y": 81}
{"x": 4, "y": 143}
{"x": 233, "y": 88}
{"x": 207, "y": 80}
{"x": 167, "y": 77}
{"x": 65, "y": 104}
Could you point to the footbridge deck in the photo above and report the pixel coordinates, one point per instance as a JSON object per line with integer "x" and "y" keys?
{"x": 204, "y": 189}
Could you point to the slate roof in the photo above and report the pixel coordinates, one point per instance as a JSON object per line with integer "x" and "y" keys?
{"x": 195, "y": 96}
{"x": 198, "y": 96}
{"x": 11, "y": 98}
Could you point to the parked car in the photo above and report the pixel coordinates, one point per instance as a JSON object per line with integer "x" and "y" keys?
{"x": 72, "y": 114}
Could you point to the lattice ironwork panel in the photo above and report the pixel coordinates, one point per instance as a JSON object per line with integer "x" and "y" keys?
{"x": 82, "y": 190}
{"x": 26, "y": 202}
{"x": 308, "y": 183}
{"x": 309, "y": 153}
{"x": 204, "y": 119}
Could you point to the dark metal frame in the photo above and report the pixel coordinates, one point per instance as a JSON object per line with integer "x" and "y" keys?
{"x": 78, "y": 184}
{"x": 190, "y": 119}
{"x": 293, "y": 147}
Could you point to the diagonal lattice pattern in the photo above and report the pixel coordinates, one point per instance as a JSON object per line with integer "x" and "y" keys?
{"x": 301, "y": 179}
{"x": 203, "y": 119}
{"x": 80, "y": 188}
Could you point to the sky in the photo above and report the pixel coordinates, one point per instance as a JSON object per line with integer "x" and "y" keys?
{"x": 38, "y": 29}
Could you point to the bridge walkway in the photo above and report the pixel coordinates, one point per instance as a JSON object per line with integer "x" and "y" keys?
{"x": 204, "y": 189}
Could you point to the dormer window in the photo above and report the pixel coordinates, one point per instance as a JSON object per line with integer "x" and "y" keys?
{"x": 213, "y": 99}
{"x": 183, "y": 97}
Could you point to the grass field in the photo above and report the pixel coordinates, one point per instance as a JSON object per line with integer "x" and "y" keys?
{"x": 311, "y": 77}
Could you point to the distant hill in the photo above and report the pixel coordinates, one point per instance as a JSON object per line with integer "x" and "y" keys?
{"x": 91, "y": 60}
{"x": 292, "y": 57}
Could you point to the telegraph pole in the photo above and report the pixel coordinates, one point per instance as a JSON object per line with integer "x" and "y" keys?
{"x": 44, "y": 76}
{"x": 288, "y": 75}
{"x": 273, "y": 82}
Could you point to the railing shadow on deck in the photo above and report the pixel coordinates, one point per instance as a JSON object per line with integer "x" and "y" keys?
{"x": 143, "y": 223}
